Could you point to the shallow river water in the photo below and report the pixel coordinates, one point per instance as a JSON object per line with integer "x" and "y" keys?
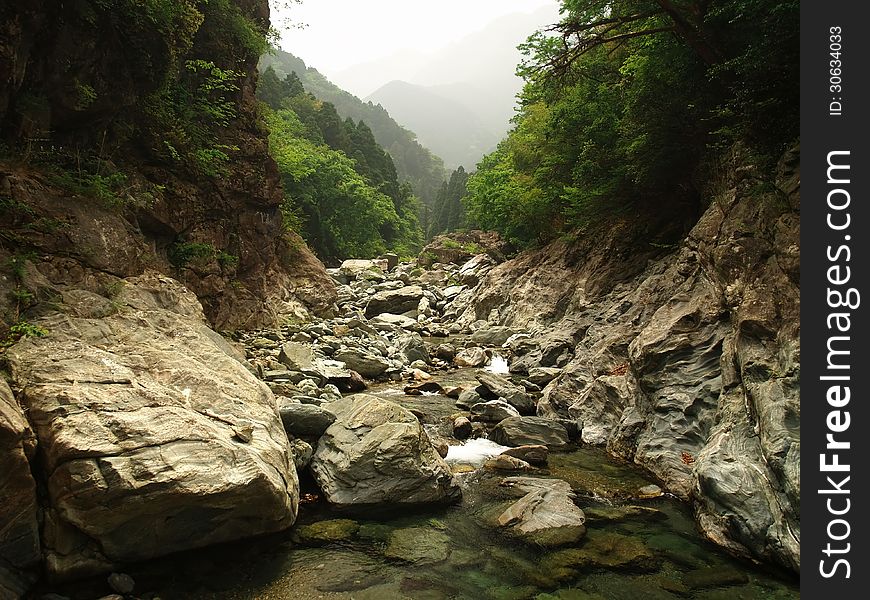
{"x": 641, "y": 549}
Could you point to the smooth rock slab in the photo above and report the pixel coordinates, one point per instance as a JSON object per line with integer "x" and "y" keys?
{"x": 306, "y": 419}
{"x": 377, "y": 453}
{"x": 546, "y": 515}
{"x": 155, "y": 437}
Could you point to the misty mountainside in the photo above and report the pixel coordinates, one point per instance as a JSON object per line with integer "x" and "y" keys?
{"x": 415, "y": 164}
{"x": 451, "y": 127}
{"x": 474, "y": 77}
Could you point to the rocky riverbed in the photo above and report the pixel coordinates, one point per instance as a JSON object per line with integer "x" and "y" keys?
{"x": 425, "y": 473}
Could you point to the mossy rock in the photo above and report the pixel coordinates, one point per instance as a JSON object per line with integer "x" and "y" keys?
{"x": 717, "y": 576}
{"x": 602, "y": 550}
{"x": 326, "y": 532}
{"x": 418, "y": 545}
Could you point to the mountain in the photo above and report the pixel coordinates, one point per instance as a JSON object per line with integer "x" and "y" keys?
{"x": 450, "y": 128}
{"x": 474, "y": 78}
{"x": 414, "y": 163}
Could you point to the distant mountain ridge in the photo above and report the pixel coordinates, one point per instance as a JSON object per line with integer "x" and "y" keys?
{"x": 414, "y": 163}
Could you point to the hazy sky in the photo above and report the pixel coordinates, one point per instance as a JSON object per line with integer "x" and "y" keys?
{"x": 343, "y": 33}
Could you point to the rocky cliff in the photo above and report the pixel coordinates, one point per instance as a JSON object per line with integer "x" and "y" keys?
{"x": 685, "y": 360}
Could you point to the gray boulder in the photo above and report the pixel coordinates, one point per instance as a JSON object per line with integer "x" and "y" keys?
{"x": 494, "y": 410}
{"x": 492, "y": 335}
{"x": 394, "y": 301}
{"x": 305, "y": 419}
{"x": 377, "y": 453}
{"x": 527, "y": 431}
{"x": 297, "y": 357}
{"x": 471, "y": 357}
{"x": 412, "y": 347}
{"x": 366, "y": 363}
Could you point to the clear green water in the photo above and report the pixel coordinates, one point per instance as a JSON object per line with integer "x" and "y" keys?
{"x": 458, "y": 552}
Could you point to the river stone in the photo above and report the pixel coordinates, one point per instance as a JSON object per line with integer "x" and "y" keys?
{"x": 326, "y": 532}
{"x": 471, "y": 357}
{"x": 121, "y": 583}
{"x": 467, "y": 399}
{"x": 494, "y": 410}
{"x": 305, "y": 419}
{"x": 717, "y": 576}
{"x": 533, "y": 454}
{"x": 446, "y": 352}
{"x": 421, "y": 545}
{"x": 461, "y": 428}
{"x": 502, "y": 388}
{"x": 543, "y": 375}
{"x": 528, "y": 431}
{"x": 412, "y": 348}
{"x": 601, "y": 550}
{"x": 377, "y": 453}
{"x": 302, "y": 452}
{"x": 394, "y": 301}
{"x": 390, "y": 322}
{"x": 298, "y": 357}
{"x": 19, "y": 533}
{"x": 417, "y": 389}
{"x": 546, "y": 515}
{"x": 136, "y": 415}
{"x": 366, "y": 363}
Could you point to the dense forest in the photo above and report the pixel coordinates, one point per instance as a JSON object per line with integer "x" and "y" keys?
{"x": 414, "y": 163}
{"x": 626, "y": 103}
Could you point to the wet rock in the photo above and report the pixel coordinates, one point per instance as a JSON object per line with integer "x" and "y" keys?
{"x": 394, "y": 301}
{"x": 377, "y": 453}
{"x": 467, "y": 399}
{"x": 461, "y": 428}
{"x": 420, "y": 545}
{"x": 453, "y": 392}
{"x": 493, "y": 411}
{"x": 624, "y": 513}
{"x": 366, "y": 363}
{"x": 720, "y": 575}
{"x": 326, "y": 532}
{"x": 305, "y": 419}
{"x": 526, "y": 431}
{"x": 471, "y": 357}
{"x": 503, "y": 462}
{"x": 649, "y": 491}
{"x": 502, "y": 388}
{"x": 534, "y": 454}
{"x": 546, "y": 515}
{"x": 302, "y": 452}
{"x": 121, "y": 583}
{"x": 417, "y": 389}
{"x": 601, "y": 550}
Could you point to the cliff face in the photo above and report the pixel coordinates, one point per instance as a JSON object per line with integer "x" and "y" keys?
{"x": 97, "y": 180}
{"x": 688, "y": 363}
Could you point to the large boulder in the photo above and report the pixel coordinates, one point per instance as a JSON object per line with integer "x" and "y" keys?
{"x": 545, "y": 515}
{"x": 154, "y": 436}
{"x": 502, "y": 388}
{"x": 19, "y": 533}
{"x": 412, "y": 347}
{"x": 366, "y": 363}
{"x": 298, "y": 357}
{"x": 394, "y": 302}
{"x": 529, "y": 431}
{"x": 377, "y": 454}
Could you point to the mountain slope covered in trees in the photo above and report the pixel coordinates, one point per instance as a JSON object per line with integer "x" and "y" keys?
{"x": 414, "y": 163}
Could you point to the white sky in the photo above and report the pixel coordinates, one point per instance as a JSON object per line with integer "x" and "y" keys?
{"x": 343, "y": 33}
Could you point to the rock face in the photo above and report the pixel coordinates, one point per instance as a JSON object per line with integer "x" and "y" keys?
{"x": 377, "y": 453}
{"x": 685, "y": 362}
{"x": 154, "y": 436}
{"x": 19, "y": 533}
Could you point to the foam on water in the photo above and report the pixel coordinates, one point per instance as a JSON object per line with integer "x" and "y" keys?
{"x": 474, "y": 452}
{"x": 498, "y": 365}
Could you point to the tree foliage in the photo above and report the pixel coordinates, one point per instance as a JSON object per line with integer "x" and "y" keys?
{"x": 626, "y": 101}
